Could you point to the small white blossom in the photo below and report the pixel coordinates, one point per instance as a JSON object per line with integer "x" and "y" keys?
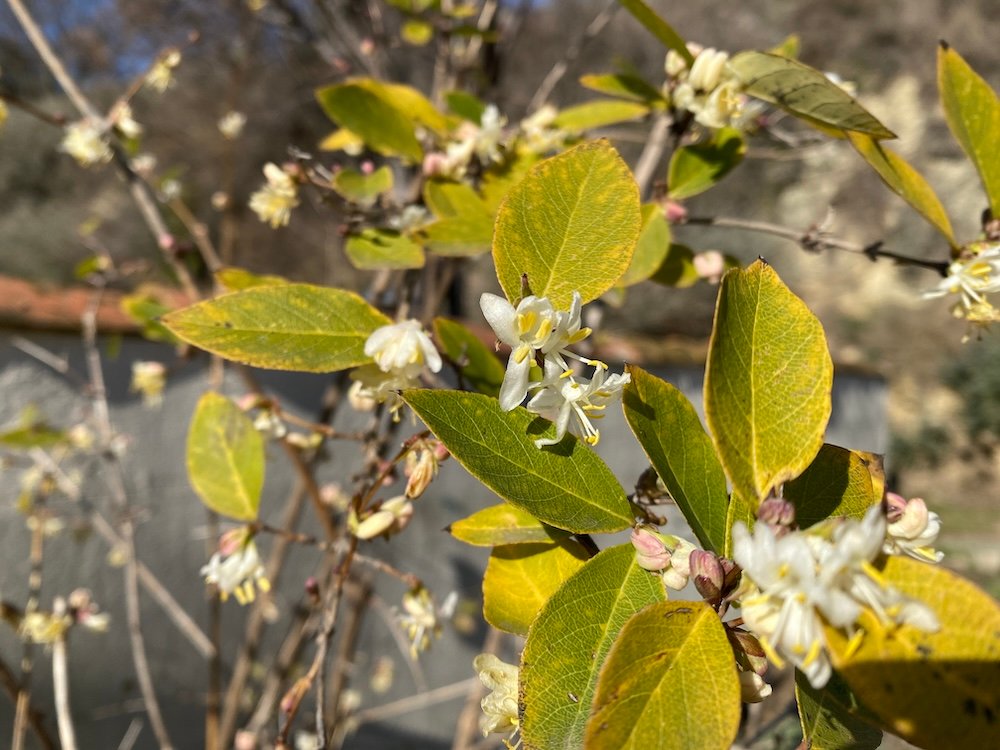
{"x": 422, "y": 619}
{"x": 572, "y": 404}
{"x": 489, "y": 140}
{"x": 500, "y": 705}
{"x": 708, "y": 90}
{"x": 125, "y": 122}
{"x": 239, "y": 573}
{"x": 399, "y": 346}
{"x": 914, "y": 530}
{"x": 972, "y": 277}
{"x": 231, "y": 125}
{"x": 273, "y": 203}
{"x": 149, "y": 379}
{"x": 170, "y": 189}
{"x": 161, "y": 75}
{"x": 87, "y": 143}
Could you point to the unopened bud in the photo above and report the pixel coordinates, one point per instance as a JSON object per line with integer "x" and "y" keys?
{"x": 895, "y": 507}
{"x": 650, "y": 551}
{"x": 753, "y": 688}
{"x": 295, "y": 694}
{"x": 776, "y": 513}
{"x": 674, "y": 212}
{"x": 676, "y": 576}
{"x": 421, "y": 468}
{"x": 749, "y": 653}
{"x": 709, "y": 578}
{"x": 390, "y": 518}
{"x": 312, "y": 588}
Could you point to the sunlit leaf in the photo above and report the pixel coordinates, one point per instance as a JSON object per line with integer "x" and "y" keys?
{"x": 416, "y": 32}
{"x": 838, "y": 482}
{"x": 342, "y": 140}
{"x": 677, "y": 269}
{"x": 658, "y": 27}
{"x": 570, "y": 225}
{"x": 362, "y": 188}
{"x": 146, "y": 309}
{"x": 624, "y": 86}
{"x": 599, "y": 113}
{"x": 376, "y": 248}
{"x": 225, "y": 458}
{"x": 459, "y": 236}
{"x": 652, "y": 247}
{"x": 694, "y": 169}
{"x": 236, "y": 279}
{"x": 465, "y": 105}
{"x": 503, "y": 524}
{"x": 381, "y": 126}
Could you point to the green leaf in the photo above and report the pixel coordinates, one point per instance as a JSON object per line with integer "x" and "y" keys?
{"x": 237, "y": 279}
{"x": 377, "y": 248}
{"x": 379, "y": 124}
{"x": 804, "y": 92}
{"x": 739, "y": 510}
{"x": 410, "y": 101}
{"x": 669, "y": 682}
{"x": 670, "y": 432}
{"x": 478, "y": 365}
{"x": 767, "y": 381}
{"x": 832, "y": 718}
{"x": 570, "y": 225}
{"x": 37, "y": 435}
{"x": 677, "y": 269}
{"x": 839, "y": 482}
{"x": 623, "y": 85}
{"x": 499, "y": 179}
{"x": 904, "y": 181}
{"x": 565, "y": 485}
{"x": 459, "y": 236}
{"x": 146, "y": 310}
{"x": 284, "y": 327}
{"x": 932, "y": 689}
{"x": 568, "y": 641}
{"x": 465, "y": 105}
{"x": 651, "y": 249}
{"x": 972, "y": 110}
{"x": 658, "y": 27}
{"x": 225, "y": 458}
{"x": 503, "y": 524}
{"x": 361, "y": 188}
{"x": 416, "y": 32}
{"x": 599, "y": 114}
{"x": 694, "y": 169}
{"x": 445, "y": 198}
{"x": 520, "y": 578}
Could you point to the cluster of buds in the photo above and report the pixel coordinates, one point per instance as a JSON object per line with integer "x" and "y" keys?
{"x": 421, "y": 464}
{"x": 78, "y": 608}
{"x": 87, "y": 142}
{"x": 484, "y": 142}
{"x": 235, "y": 568}
{"x": 400, "y": 351}
{"x": 539, "y": 132}
{"x": 161, "y": 76}
{"x": 668, "y": 555}
{"x": 706, "y": 89}
{"x": 912, "y": 529}
{"x": 274, "y": 201}
{"x": 535, "y": 328}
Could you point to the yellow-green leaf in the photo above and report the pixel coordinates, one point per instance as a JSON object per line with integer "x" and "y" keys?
{"x": 599, "y": 113}
{"x": 225, "y": 458}
{"x": 839, "y": 482}
{"x": 362, "y": 188}
{"x": 477, "y": 364}
{"x": 282, "y": 327}
{"x": 416, "y": 32}
{"x": 658, "y": 27}
{"x": 146, "y": 310}
{"x": 445, "y": 198}
{"x": 343, "y": 140}
{"x": 832, "y": 718}
{"x": 972, "y": 110}
{"x": 408, "y": 100}
{"x": 739, "y": 510}
{"x": 767, "y": 381}
{"x": 933, "y": 689}
{"x": 565, "y": 485}
{"x": 570, "y": 225}
{"x": 375, "y": 248}
{"x": 520, "y": 578}
{"x": 236, "y": 279}
{"x": 804, "y": 92}
{"x": 459, "y": 236}
{"x": 677, "y": 269}
{"x": 503, "y": 524}
{"x": 652, "y": 247}
{"x": 568, "y": 641}
{"x": 382, "y": 126}
{"x": 670, "y": 432}
{"x": 669, "y": 682}
{"x": 466, "y": 105}
{"x": 34, "y": 435}
{"x": 499, "y": 179}
{"x": 694, "y": 169}
{"x": 623, "y": 85}
{"x": 904, "y": 181}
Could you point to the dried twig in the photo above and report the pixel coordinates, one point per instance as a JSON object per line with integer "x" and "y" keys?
{"x": 60, "y": 687}
{"x": 35, "y": 719}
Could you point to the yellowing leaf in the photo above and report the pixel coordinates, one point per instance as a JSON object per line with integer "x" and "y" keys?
{"x": 477, "y": 364}
{"x": 416, "y": 32}
{"x": 767, "y": 381}
{"x": 236, "y": 279}
{"x": 599, "y": 114}
{"x": 445, "y": 198}
{"x": 652, "y": 247}
{"x": 933, "y": 689}
{"x": 377, "y": 248}
{"x": 568, "y": 641}
{"x": 503, "y": 524}
{"x": 623, "y": 85}
{"x": 282, "y": 327}
{"x": 694, "y": 169}
{"x": 459, "y": 236}
{"x": 520, "y": 578}
{"x": 499, "y": 179}
{"x": 972, "y": 110}
{"x": 669, "y": 682}
{"x": 225, "y": 458}
{"x": 670, "y": 432}
{"x": 382, "y": 126}
{"x": 839, "y": 482}
{"x": 904, "y": 181}
{"x": 804, "y": 92}
{"x": 342, "y": 140}
{"x": 570, "y": 225}
{"x": 832, "y": 718}
{"x": 466, "y": 105}
{"x": 565, "y": 485}
{"x": 409, "y": 101}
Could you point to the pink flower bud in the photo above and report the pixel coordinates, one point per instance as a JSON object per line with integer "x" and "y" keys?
{"x": 895, "y": 506}
{"x": 367, "y": 167}
{"x": 776, "y": 513}
{"x": 674, "y": 212}
{"x": 709, "y": 578}
{"x": 650, "y": 551}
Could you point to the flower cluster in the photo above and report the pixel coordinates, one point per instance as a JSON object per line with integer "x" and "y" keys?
{"x": 87, "y": 142}
{"x": 500, "y": 705}
{"x": 421, "y": 618}
{"x": 161, "y": 76}
{"x": 231, "y": 124}
{"x": 484, "y": 142}
{"x": 536, "y": 327}
{"x": 665, "y": 554}
{"x": 972, "y": 276}
{"x": 912, "y": 529}
{"x": 149, "y": 379}
{"x": 236, "y": 568}
{"x": 795, "y": 583}
{"x": 400, "y": 351}
{"x": 273, "y": 203}
{"x": 706, "y": 89}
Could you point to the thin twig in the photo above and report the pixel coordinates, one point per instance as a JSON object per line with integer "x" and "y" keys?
{"x": 652, "y": 152}
{"x": 27, "y": 657}
{"x": 35, "y": 719}
{"x": 336, "y": 726}
{"x": 131, "y": 735}
{"x": 418, "y": 701}
{"x": 60, "y": 688}
{"x": 59, "y": 120}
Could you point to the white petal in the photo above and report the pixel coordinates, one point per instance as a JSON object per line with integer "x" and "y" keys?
{"x": 515, "y": 383}
{"x": 501, "y": 316}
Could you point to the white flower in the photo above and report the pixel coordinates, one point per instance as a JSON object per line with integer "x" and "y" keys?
{"x": 239, "y": 573}
{"x": 125, "y": 123}
{"x": 708, "y": 90}
{"x": 273, "y": 203}
{"x": 161, "y": 75}
{"x": 500, "y": 705}
{"x": 676, "y": 575}
{"x": 421, "y": 619}
{"x": 572, "y": 404}
{"x": 706, "y": 72}
{"x": 533, "y": 326}
{"x": 149, "y": 379}
{"x": 915, "y": 530}
{"x": 971, "y": 277}
{"x": 231, "y": 125}
{"x": 488, "y": 142}
{"x": 170, "y": 189}
{"x": 401, "y": 346}
{"x": 87, "y": 143}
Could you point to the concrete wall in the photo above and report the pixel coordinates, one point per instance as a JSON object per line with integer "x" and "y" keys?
{"x": 172, "y": 537}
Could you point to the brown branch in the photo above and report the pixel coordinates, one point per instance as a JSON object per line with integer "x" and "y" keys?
{"x": 35, "y": 719}
{"x": 58, "y": 119}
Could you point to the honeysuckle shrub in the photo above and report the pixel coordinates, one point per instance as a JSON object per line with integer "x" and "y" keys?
{"x": 798, "y": 553}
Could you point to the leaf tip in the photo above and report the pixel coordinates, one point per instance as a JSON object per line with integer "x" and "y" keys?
{"x": 944, "y": 45}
